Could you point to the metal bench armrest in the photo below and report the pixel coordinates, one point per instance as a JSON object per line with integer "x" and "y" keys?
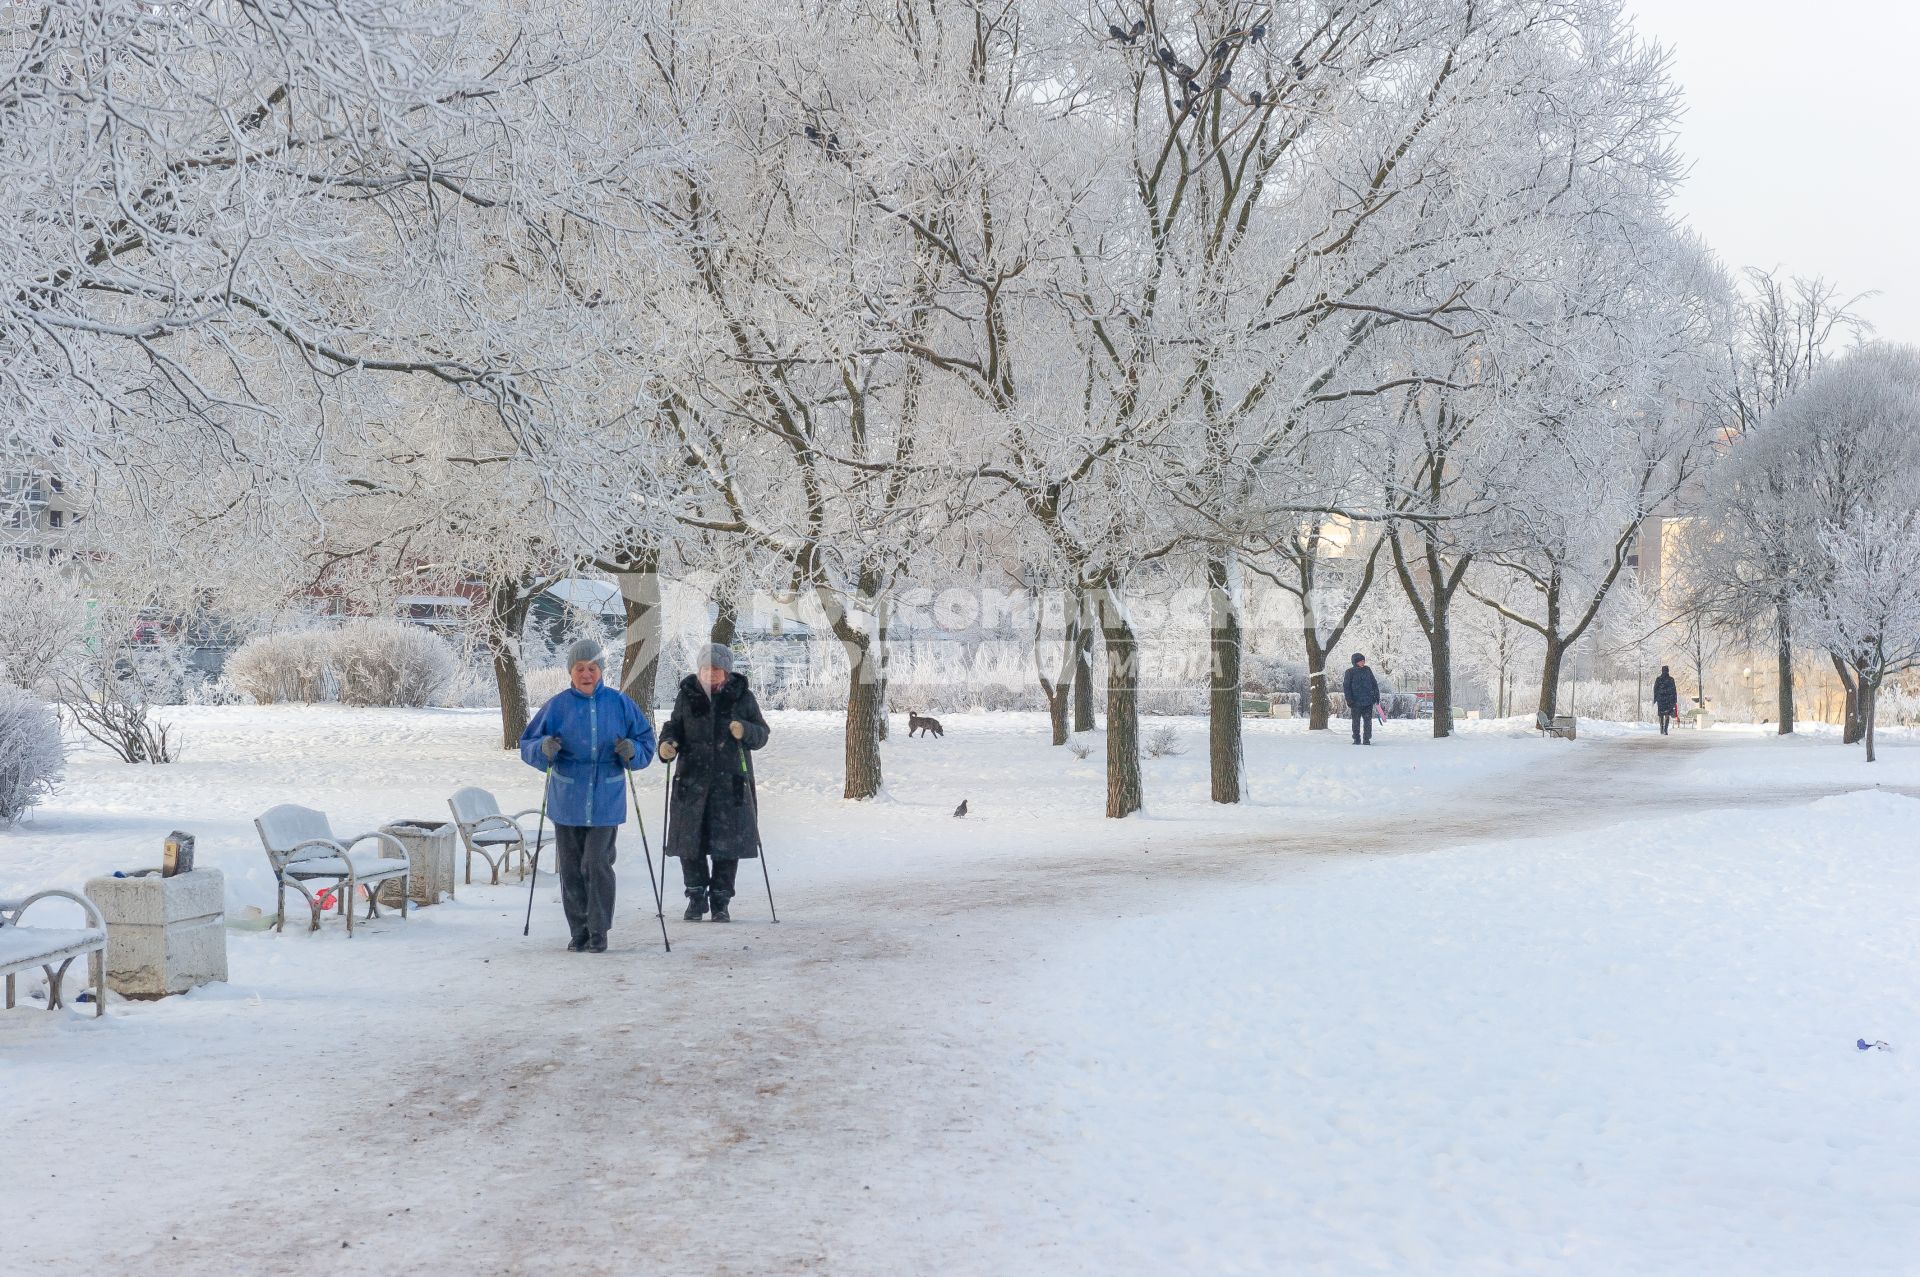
{"x": 399, "y": 848}
{"x": 497, "y": 821}
{"x": 15, "y": 908}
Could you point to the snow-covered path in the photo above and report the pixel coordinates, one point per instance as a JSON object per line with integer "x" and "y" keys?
{"x": 887, "y": 1082}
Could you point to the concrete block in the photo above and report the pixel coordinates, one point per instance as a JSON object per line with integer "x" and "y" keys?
{"x": 164, "y": 935}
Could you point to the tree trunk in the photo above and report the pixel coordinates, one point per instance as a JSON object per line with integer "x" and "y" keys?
{"x": 1853, "y": 722}
{"x": 1319, "y": 703}
{"x": 863, "y": 715}
{"x": 640, "y": 600}
{"x": 1440, "y": 654}
{"x": 1060, "y": 692}
{"x": 1783, "y": 633}
{"x": 1555, "y": 652}
{"x": 507, "y": 616}
{"x": 1869, "y": 700}
{"x": 726, "y": 621}
{"x": 1083, "y": 672}
{"x": 1435, "y": 616}
{"x": 1059, "y": 702}
{"x": 882, "y": 614}
{"x": 1225, "y": 748}
{"x": 1123, "y": 708}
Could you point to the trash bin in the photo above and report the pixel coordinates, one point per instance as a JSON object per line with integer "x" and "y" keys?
{"x": 164, "y": 935}
{"x": 430, "y": 847}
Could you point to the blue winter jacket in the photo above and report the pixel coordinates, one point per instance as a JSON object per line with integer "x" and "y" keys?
{"x": 586, "y": 786}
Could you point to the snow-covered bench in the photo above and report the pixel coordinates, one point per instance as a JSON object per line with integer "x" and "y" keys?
{"x": 490, "y": 833}
{"x": 53, "y": 949}
{"x": 1564, "y": 726}
{"x": 302, "y": 849}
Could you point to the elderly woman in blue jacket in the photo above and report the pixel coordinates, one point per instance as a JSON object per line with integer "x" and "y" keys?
{"x": 586, "y": 739}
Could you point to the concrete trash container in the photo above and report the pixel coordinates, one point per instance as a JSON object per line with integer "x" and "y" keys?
{"x": 430, "y": 848}
{"x": 164, "y": 935}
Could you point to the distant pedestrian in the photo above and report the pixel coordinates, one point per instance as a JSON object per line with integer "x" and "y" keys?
{"x": 1363, "y": 694}
{"x": 1666, "y": 699}
{"x": 713, "y": 825}
{"x": 585, "y": 739}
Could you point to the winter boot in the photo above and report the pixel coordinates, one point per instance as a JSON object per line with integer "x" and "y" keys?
{"x": 696, "y": 908}
{"x": 720, "y": 911}
{"x": 596, "y": 944}
{"x": 577, "y": 944}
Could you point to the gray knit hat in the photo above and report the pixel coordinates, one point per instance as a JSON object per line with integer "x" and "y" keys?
{"x": 587, "y": 650}
{"x": 718, "y": 656}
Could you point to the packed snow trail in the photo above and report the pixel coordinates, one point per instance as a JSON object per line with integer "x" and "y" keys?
{"x": 841, "y": 1093}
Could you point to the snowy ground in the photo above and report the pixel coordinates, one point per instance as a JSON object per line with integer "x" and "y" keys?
{"x": 1596, "y": 1015}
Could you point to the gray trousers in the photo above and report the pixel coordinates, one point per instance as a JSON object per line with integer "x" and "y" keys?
{"x": 585, "y": 853}
{"x": 716, "y": 885}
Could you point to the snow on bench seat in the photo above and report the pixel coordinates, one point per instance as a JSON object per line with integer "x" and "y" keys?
{"x": 23, "y": 948}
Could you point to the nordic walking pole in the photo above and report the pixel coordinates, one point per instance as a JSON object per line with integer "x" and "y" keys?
{"x": 746, "y": 765}
{"x": 666, "y": 827}
{"x": 659, "y": 909}
{"x": 540, "y": 834}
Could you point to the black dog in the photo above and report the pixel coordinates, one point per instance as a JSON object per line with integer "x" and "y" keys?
{"x": 917, "y": 723}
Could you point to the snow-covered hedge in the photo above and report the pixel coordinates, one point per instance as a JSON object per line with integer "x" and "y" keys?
{"x": 32, "y": 755}
{"x": 276, "y": 668}
{"x": 363, "y": 663}
{"x": 391, "y": 663}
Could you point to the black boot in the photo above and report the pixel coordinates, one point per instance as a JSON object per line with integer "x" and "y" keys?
{"x": 696, "y": 908}
{"x": 720, "y": 911}
{"x": 596, "y": 944}
{"x": 576, "y": 944}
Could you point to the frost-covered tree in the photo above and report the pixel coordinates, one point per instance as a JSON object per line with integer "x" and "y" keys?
{"x": 1867, "y": 608}
{"x": 1607, "y": 424}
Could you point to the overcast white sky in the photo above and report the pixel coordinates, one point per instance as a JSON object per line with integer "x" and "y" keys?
{"x": 1803, "y": 128}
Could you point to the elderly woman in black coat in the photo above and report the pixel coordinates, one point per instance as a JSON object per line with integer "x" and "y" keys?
{"x": 713, "y": 824}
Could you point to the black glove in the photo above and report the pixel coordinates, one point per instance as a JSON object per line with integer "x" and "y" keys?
{"x": 550, "y": 747}
{"x": 623, "y": 750}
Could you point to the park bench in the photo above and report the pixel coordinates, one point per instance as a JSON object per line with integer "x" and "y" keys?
{"x": 1561, "y": 725}
{"x": 302, "y": 850}
{"x": 490, "y": 833}
{"x": 53, "y": 949}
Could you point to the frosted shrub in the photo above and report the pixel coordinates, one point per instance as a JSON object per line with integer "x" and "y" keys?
{"x": 42, "y": 622}
{"x": 1619, "y": 701}
{"x": 364, "y": 663}
{"x": 32, "y": 755}
{"x": 1164, "y": 742}
{"x": 277, "y": 668}
{"x": 390, "y": 663}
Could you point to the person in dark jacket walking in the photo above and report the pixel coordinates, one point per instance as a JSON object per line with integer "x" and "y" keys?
{"x": 713, "y": 825}
{"x": 585, "y": 739}
{"x": 1362, "y": 691}
{"x": 1666, "y": 699}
